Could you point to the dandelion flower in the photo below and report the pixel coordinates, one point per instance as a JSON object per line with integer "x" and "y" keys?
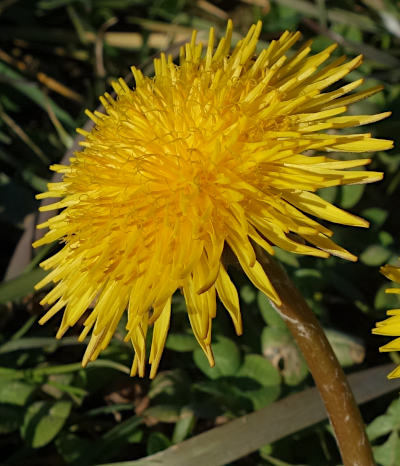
{"x": 391, "y": 326}
{"x": 224, "y": 150}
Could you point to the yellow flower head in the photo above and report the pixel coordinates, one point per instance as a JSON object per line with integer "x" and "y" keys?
{"x": 223, "y": 150}
{"x": 391, "y": 326}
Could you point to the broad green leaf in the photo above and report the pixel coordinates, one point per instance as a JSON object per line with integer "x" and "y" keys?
{"x": 286, "y": 257}
{"x": 349, "y": 32}
{"x": 135, "y": 437}
{"x": 164, "y": 412}
{"x": 268, "y": 312}
{"x": 385, "y": 238}
{"x": 383, "y": 300}
{"x": 280, "y": 349}
{"x": 375, "y": 255}
{"x": 184, "y": 425}
{"x": 157, "y": 442}
{"x": 328, "y": 194}
{"x": 226, "y": 395}
{"x": 348, "y": 349}
{"x": 15, "y": 392}
{"x": 260, "y": 370}
{"x": 388, "y": 454}
{"x": 43, "y": 420}
{"x": 248, "y": 294}
{"x": 384, "y": 424}
{"x": 376, "y": 216}
{"x": 11, "y": 418}
{"x": 172, "y": 384}
{"x": 350, "y": 195}
{"x": 308, "y": 281}
{"x": 282, "y": 18}
{"x": 265, "y": 451}
{"x": 7, "y": 373}
{"x": 226, "y": 355}
{"x": 181, "y": 342}
{"x": 74, "y": 450}
{"x": 381, "y": 425}
{"x": 58, "y": 384}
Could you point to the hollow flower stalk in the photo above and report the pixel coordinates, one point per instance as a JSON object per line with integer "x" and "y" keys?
{"x": 224, "y": 150}
{"x": 391, "y": 326}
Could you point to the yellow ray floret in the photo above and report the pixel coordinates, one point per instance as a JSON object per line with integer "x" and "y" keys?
{"x": 223, "y": 151}
{"x": 391, "y": 326}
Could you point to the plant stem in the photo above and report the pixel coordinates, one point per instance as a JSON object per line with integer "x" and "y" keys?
{"x": 328, "y": 375}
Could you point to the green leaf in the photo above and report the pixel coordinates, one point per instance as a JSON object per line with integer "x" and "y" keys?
{"x": 385, "y": 238}
{"x": 182, "y": 342}
{"x": 350, "y": 195}
{"x": 279, "y": 347}
{"x": 109, "y": 409}
{"x": 19, "y": 287}
{"x": 286, "y": 257}
{"x": 265, "y": 451}
{"x": 268, "y": 312}
{"x": 375, "y": 255}
{"x": 258, "y": 369}
{"x": 157, "y": 442}
{"x": 114, "y": 440}
{"x": 11, "y": 418}
{"x": 383, "y": 300}
{"x": 309, "y": 281}
{"x": 248, "y": 294}
{"x": 384, "y": 424}
{"x": 376, "y": 216}
{"x": 388, "y": 454}
{"x": 46, "y": 343}
{"x": 36, "y": 182}
{"x": 348, "y": 349}
{"x": 184, "y": 425}
{"x": 43, "y": 421}
{"x": 122, "y": 431}
{"x": 52, "y": 4}
{"x": 34, "y": 93}
{"x": 164, "y": 412}
{"x": 172, "y": 384}
{"x": 15, "y": 392}
{"x": 349, "y": 32}
{"x": 328, "y": 194}
{"x": 381, "y": 425}
{"x": 226, "y": 355}
{"x": 73, "y": 449}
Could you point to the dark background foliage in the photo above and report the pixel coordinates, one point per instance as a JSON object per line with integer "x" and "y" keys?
{"x": 56, "y": 58}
